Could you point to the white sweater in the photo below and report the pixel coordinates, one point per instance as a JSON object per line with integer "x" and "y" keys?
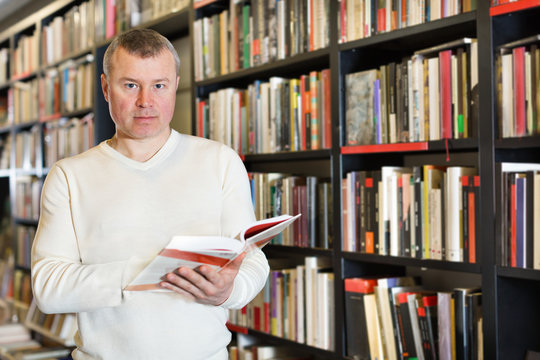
{"x": 103, "y": 216}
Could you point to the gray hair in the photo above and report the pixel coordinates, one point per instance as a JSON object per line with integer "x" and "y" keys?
{"x": 141, "y": 42}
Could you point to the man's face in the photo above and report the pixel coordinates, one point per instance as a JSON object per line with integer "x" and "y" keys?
{"x": 141, "y": 93}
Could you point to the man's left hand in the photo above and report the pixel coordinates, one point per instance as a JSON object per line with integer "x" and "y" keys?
{"x": 204, "y": 284}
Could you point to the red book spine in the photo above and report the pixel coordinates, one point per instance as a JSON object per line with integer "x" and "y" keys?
{"x": 445, "y": 63}
{"x": 343, "y": 20}
{"x": 327, "y": 120}
{"x": 381, "y": 20}
{"x": 200, "y": 115}
{"x": 266, "y": 317}
{"x": 110, "y": 27}
{"x": 472, "y": 228}
{"x": 304, "y": 95}
{"x": 311, "y": 29}
{"x": 404, "y": 13}
{"x": 257, "y": 318}
{"x": 519, "y": 90}
{"x": 513, "y": 258}
{"x": 314, "y": 109}
{"x": 360, "y": 285}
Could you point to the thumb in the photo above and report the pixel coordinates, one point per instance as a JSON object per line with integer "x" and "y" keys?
{"x": 235, "y": 264}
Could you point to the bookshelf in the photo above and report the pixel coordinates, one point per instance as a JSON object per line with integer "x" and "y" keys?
{"x": 50, "y": 98}
{"x": 509, "y": 294}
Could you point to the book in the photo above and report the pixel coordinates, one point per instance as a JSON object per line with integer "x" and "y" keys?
{"x": 41, "y": 353}
{"x": 463, "y": 327}
{"x": 356, "y": 290}
{"x": 13, "y": 332}
{"x": 215, "y": 251}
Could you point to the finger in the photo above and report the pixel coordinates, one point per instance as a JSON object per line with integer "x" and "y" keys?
{"x": 210, "y": 274}
{"x": 176, "y": 289}
{"x": 192, "y": 285}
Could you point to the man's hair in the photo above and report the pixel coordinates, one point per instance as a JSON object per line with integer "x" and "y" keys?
{"x": 144, "y": 43}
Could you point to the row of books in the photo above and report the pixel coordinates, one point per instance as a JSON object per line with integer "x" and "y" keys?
{"x": 256, "y": 32}
{"x": 363, "y": 18}
{"x": 27, "y": 197}
{"x": 32, "y": 350}
{"x": 4, "y": 68}
{"x": 23, "y": 101}
{"x": 518, "y": 95}
{"x": 277, "y": 115}
{"x": 396, "y": 318}
{"x": 24, "y": 237}
{"x": 518, "y": 191}
{"x": 74, "y": 31}
{"x": 20, "y": 290}
{"x": 427, "y": 212}
{"x": 264, "y": 352}
{"x": 28, "y": 148}
{"x": 26, "y": 54}
{"x": 115, "y": 16}
{"x": 66, "y": 88}
{"x": 67, "y": 137}
{"x": 76, "y": 85}
{"x": 16, "y": 343}
{"x": 276, "y": 194}
{"x": 60, "y": 326}
{"x": 297, "y": 303}
{"x": 68, "y": 33}
{"x": 428, "y": 96}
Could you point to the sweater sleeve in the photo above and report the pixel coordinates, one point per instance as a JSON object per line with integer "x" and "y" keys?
{"x": 61, "y": 282}
{"x": 249, "y": 281}
{"x": 237, "y": 212}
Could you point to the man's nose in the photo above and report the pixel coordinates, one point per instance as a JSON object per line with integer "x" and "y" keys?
{"x": 144, "y": 98}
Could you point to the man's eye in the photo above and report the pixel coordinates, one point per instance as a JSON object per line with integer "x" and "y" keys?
{"x": 160, "y": 86}
{"x": 131, "y": 85}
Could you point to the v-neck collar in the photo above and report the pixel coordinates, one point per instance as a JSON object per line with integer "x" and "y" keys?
{"x": 158, "y": 157}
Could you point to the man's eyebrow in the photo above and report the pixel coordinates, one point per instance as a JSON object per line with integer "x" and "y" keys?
{"x": 137, "y": 81}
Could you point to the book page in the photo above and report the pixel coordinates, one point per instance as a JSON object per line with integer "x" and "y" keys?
{"x": 190, "y": 251}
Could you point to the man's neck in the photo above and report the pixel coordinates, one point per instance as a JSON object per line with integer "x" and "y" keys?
{"x": 140, "y": 150}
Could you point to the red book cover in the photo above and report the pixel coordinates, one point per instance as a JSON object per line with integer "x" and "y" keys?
{"x": 257, "y": 318}
{"x": 110, "y": 24}
{"x": 327, "y": 119}
{"x": 472, "y": 219}
{"x": 445, "y": 63}
{"x": 519, "y": 90}
{"x": 381, "y": 20}
{"x": 343, "y": 20}
{"x": 305, "y": 96}
{"x": 513, "y": 258}
{"x": 404, "y": 13}
{"x": 266, "y": 317}
{"x": 200, "y": 120}
{"x": 360, "y": 285}
{"x": 311, "y": 15}
{"x": 314, "y": 86}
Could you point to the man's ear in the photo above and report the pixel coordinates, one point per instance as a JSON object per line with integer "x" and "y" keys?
{"x": 105, "y": 87}
{"x": 177, "y": 82}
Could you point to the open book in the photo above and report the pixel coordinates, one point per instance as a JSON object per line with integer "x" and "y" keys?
{"x": 216, "y": 251}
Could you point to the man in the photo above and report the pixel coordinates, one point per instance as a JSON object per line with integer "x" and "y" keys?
{"x": 107, "y": 212}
